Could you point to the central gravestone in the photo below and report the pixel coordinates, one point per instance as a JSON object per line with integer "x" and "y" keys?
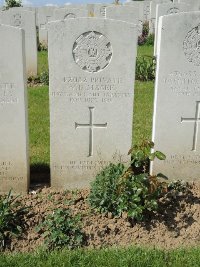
{"x": 91, "y": 97}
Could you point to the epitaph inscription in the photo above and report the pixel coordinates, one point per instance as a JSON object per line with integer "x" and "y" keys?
{"x": 92, "y": 51}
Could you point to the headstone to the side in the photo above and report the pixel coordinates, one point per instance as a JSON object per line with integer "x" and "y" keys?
{"x": 45, "y": 15}
{"x": 177, "y": 97}
{"x": 152, "y": 20}
{"x": 68, "y": 13}
{"x": 100, "y": 10}
{"x": 14, "y": 158}
{"x": 26, "y": 20}
{"x": 139, "y": 5}
{"x": 88, "y": 7}
{"x": 167, "y": 9}
{"x": 91, "y": 96}
{"x": 124, "y": 13}
{"x": 33, "y": 9}
{"x": 195, "y": 4}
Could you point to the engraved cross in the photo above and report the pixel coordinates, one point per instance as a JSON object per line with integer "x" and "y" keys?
{"x": 91, "y": 126}
{"x": 195, "y": 120}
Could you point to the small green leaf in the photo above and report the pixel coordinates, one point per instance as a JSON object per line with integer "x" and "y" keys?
{"x": 160, "y": 155}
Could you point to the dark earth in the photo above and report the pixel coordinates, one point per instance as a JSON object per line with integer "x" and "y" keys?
{"x": 176, "y": 224}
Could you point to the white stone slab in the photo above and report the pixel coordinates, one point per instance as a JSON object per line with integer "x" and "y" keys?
{"x": 91, "y": 96}
{"x": 33, "y": 9}
{"x": 68, "y": 13}
{"x": 45, "y": 15}
{"x": 168, "y": 9}
{"x": 100, "y": 10}
{"x": 14, "y": 156}
{"x": 88, "y": 7}
{"x": 139, "y": 5}
{"x": 124, "y": 13}
{"x": 195, "y": 4}
{"x": 152, "y": 21}
{"x": 26, "y": 20}
{"x": 177, "y": 97}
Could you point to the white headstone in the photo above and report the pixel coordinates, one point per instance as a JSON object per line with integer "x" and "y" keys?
{"x": 45, "y": 15}
{"x": 33, "y": 9}
{"x": 124, "y": 13}
{"x": 152, "y": 21}
{"x": 100, "y": 10}
{"x": 195, "y": 4}
{"x": 167, "y": 9}
{"x": 68, "y": 13}
{"x": 91, "y": 96}
{"x": 26, "y": 20}
{"x": 144, "y": 9}
{"x": 177, "y": 97}
{"x": 14, "y": 157}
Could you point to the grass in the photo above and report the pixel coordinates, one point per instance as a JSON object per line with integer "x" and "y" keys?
{"x": 143, "y": 111}
{"x": 129, "y": 257}
{"x": 38, "y": 99}
{"x": 42, "y": 61}
{"x": 145, "y": 50}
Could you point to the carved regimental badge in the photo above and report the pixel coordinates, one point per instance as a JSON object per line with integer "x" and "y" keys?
{"x": 17, "y": 20}
{"x": 191, "y": 46}
{"x": 92, "y": 51}
{"x": 173, "y": 10}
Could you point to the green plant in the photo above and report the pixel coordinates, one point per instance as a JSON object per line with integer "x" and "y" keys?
{"x": 12, "y": 3}
{"x": 145, "y": 29}
{"x": 142, "y": 154}
{"x": 42, "y": 46}
{"x": 11, "y": 218}
{"x": 61, "y": 229}
{"x": 44, "y": 77}
{"x": 150, "y": 39}
{"x": 177, "y": 188}
{"x": 118, "y": 189}
{"x": 145, "y": 68}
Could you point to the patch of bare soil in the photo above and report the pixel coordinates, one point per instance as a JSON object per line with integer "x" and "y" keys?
{"x": 177, "y": 222}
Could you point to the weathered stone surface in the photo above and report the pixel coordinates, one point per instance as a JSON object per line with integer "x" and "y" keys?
{"x": 124, "y": 13}
{"x": 152, "y": 20}
{"x": 26, "y": 20}
{"x": 195, "y": 4}
{"x": 100, "y": 10}
{"x": 14, "y": 157}
{"x": 68, "y": 13}
{"x": 177, "y": 97}
{"x": 45, "y": 15}
{"x": 91, "y": 96}
{"x": 168, "y": 9}
{"x": 144, "y": 9}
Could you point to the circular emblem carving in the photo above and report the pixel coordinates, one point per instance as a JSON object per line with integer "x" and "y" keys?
{"x": 173, "y": 10}
{"x": 70, "y": 16}
{"x": 191, "y": 46}
{"x": 92, "y": 51}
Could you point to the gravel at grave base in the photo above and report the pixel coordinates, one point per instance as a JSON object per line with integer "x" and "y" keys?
{"x": 176, "y": 224}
